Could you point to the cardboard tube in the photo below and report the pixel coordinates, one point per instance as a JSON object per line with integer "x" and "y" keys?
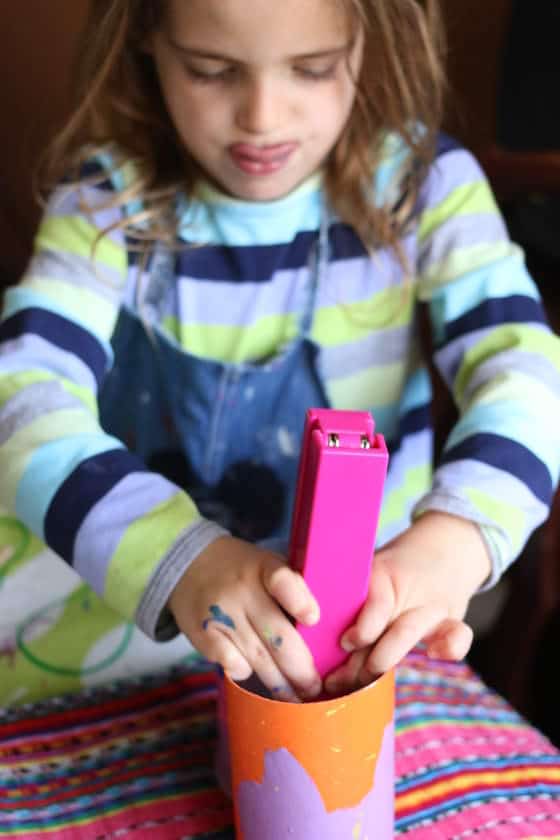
{"x": 312, "y": 771}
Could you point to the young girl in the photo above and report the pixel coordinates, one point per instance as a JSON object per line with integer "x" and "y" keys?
{"x": 253, "y": 209}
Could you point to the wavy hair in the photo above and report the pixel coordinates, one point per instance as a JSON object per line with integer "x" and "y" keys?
{"x": 118, "y": 102}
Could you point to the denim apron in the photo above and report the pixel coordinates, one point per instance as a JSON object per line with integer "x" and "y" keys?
{"x": 229, "y": 434}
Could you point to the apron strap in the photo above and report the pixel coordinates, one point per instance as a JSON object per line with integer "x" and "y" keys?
{"x": 318, "y": 266}
{"x": 157, "y": 276}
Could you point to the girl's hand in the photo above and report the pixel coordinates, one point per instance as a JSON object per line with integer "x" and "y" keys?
{"x": 420, "y": 588}
{"x": 234, "y": 603}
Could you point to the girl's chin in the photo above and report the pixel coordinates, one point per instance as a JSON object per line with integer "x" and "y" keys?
{"x": 261, "y": 188}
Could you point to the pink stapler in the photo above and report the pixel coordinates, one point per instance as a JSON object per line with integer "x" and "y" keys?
{"x": 342, "y": 471}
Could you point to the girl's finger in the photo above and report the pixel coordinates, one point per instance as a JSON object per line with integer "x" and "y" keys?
{"x": 218, "y": 648}
{"x": 240, "y": 652}
{"x": 345, "y": 678}
{"x": 260, "y": 654}
{"x": 375, "y": 615}
{"x": 402, "y": 635}
{"x": 216, "y": 638}
{"x": 289, "y": 652}
{"x": 451, "y": 640}
{"x": 290, "y": 591}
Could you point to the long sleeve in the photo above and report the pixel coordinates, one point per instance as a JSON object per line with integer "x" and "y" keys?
{"x": 127, "y": 531}
{"x": 499, "y": 358}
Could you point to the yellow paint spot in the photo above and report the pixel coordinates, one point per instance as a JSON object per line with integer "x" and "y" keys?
{"x": 357, "y": 831}
{"x": 371, "y": 757}
{"x": 336, "y": 749}
{"x": 332, "y": 712}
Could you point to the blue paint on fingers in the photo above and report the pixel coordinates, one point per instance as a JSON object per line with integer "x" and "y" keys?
{"x": 217, "y": 615}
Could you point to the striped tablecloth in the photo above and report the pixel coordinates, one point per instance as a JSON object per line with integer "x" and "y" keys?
{"x": 134, "y": 760}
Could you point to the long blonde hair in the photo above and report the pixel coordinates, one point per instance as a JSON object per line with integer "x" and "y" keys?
{"x": 118, "y": 102}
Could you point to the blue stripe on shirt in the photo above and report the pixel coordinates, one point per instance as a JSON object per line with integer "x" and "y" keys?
{"x": 508, "y": 455}
{"x": 93, "y": 169}
{"x": 515, "y": 309}
{"x": 415, "y": 420}
{"x": 244, "y": 264}
{"x": 446, "y": 144}
{"x": 82, "y": 489}
{"x": 258, "y": 264}
{"x": 63, "y": 333}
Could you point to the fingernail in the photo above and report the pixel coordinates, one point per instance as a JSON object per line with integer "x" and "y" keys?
{"x": 347, "y": 645}
{"x": 310, "y": 617}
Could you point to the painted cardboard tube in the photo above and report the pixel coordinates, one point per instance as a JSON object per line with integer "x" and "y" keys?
{"x": 312, "y": 771}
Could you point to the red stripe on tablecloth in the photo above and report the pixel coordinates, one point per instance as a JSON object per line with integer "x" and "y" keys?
{"x": 138, "y": 699}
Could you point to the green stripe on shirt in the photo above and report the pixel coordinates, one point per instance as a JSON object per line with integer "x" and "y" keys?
{"x": 76, "y": 235}
{"x": 145, "y": 542}
{"x": 500, "y": 339}
{"x": 465, "y": 200}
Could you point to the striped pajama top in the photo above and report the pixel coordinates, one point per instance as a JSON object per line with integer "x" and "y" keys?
{"x": 235, "y": 298}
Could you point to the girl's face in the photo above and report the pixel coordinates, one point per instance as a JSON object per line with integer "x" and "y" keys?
{"x": 259, "y": 91}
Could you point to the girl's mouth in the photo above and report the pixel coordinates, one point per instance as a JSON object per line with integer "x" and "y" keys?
{"x": 261, "y": 160}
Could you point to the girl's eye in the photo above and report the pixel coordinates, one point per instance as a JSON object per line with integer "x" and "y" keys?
{"x": 223, "y": 74}
{"x": 229, "y": 72}
{"x": 317, "y": 73}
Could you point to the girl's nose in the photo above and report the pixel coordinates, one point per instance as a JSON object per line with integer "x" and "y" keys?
{"x": 260, "y": 108}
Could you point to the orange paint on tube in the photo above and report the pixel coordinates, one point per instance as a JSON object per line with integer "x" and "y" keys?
{"x": 341, "y": 763}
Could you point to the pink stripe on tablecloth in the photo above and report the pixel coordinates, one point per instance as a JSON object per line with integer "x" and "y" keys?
{"x": 434, "y": 746}
{"x": 518, "y": 820}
